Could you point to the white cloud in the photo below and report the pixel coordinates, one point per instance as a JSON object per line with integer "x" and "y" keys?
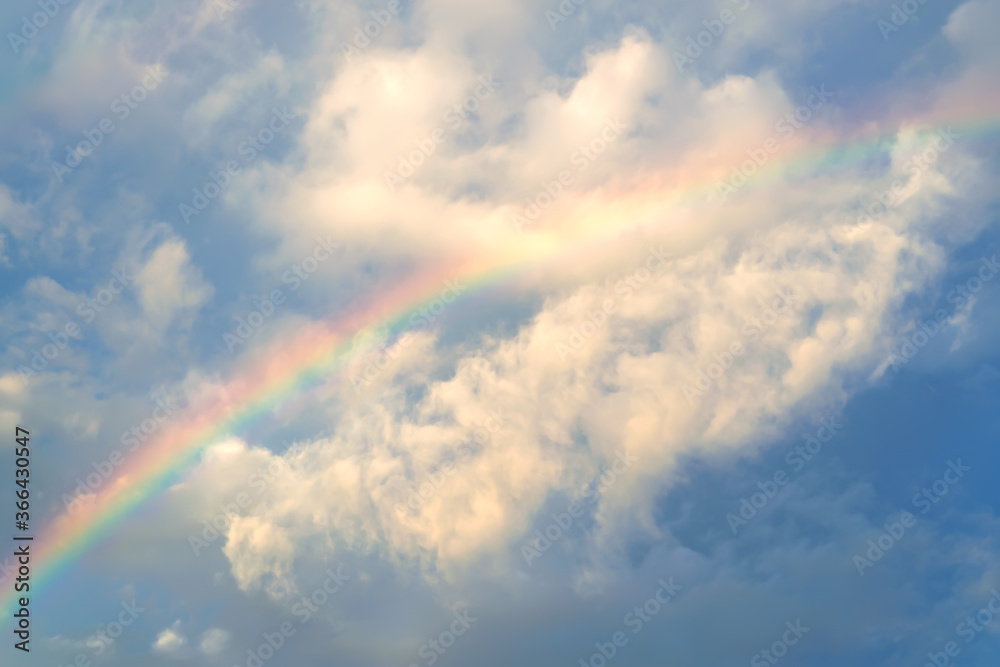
{"x": 232, "y": 93}
{"x": 624, "y": 387}
{"x": 169, "y": 285}
{"x": 16, "y": 219}
{"x": 564, "y": 413}
{"x": 170, "y": 640}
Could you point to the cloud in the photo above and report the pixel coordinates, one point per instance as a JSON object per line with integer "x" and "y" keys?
{"x": 170, "y": 640}
{"x": 169, "y": 286}
{"x": 632, "y": 383}
{"x": 633, "y": 314}
{"x": 17, "y": 219}
{"x": 232, "y": 94}
{"x": 214, "y": 641}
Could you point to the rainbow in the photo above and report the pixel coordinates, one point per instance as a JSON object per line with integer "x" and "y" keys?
{"x": 286, "y": 369}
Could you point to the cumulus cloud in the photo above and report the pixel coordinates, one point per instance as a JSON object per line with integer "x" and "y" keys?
{"x": 623, "y": 303}
{"x": 636, "y": 379}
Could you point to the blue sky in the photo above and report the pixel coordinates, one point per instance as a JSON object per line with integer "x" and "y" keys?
{"x": 560, "y": 461}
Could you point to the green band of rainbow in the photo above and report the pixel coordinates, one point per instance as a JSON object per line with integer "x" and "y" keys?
{"x": 289, "y": 367}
